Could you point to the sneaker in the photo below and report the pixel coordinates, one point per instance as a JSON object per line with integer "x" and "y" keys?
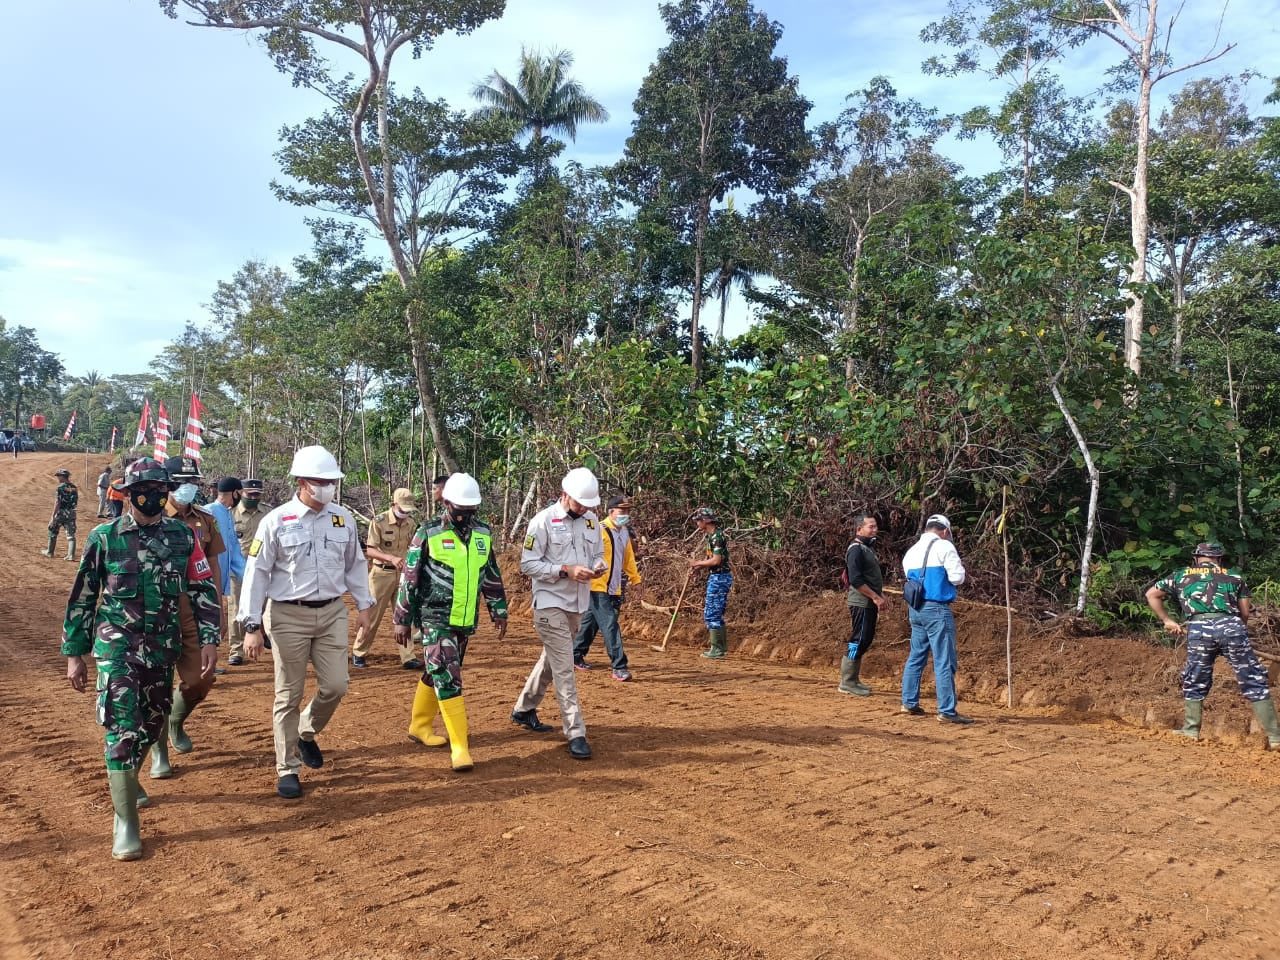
{"x": 582, "y": 665}
{"x": 915, "y": 711}
{"x": 411, "y": 664}
{"x": 954, "y": 718}
{"x": 288, "y": 787}
{"x": 358, "y": 662}
{"x": 622, "y": 675}
{"x": 309, "y": 752}
{"x": 235, "y": 660}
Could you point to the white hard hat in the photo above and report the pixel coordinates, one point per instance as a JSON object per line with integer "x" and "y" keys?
{"x": 315, "y": 462}
{"x": 461, "y": 490}
{"x": 581, "y": 484}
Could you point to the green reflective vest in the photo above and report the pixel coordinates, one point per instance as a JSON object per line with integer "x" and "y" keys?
{"x": 466, "y": 561}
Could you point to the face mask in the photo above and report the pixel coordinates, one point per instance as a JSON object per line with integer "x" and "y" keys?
{"x": 323, "y": 494}
{"x": 572, "y": 514}
{"x": 462, "y": 518}
{"x": 400, "y": 514}
{"x": 186, "y": 494}
{"x": 149, "y": 503}
{"x": 622, "y": 519}
{"x": 250, "y": 502}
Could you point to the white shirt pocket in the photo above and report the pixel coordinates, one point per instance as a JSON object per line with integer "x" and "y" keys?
{"x": 335, "y": 547}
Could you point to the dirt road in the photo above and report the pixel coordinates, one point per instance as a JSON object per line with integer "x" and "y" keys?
{"x": 739, "y": 809}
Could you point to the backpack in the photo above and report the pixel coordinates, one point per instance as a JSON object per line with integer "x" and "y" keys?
{"x": 912, "y": 589}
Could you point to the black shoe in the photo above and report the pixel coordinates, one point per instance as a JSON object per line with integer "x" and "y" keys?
{"x": 915, "y": 711}
{"x": 954, "y": 718}
{"x": 310, "y": 753}
{"x": 579, "y": 749}
{"x": 529, "y": 720}
{"x": 219, "y": 671}
{"x": 412, "y": 664}
{"x": 288, "y": 787}
{"x": 359, "y": 662}
{"x": 235, "y": 660}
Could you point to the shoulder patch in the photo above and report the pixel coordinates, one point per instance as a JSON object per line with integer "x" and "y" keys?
{"x": 338, "y": 521}
{"x": 255, "y": 548}
{"x": 528, "y": 542}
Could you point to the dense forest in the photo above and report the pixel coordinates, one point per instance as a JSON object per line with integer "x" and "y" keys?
{"x": 1082, "y": 343}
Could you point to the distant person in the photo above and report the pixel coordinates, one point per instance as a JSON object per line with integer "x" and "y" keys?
{"x": 609, "y": 590}
{"x": 65, "y": 500}
{"x": 386, "y": 546}
{"x": 719, "y": 580}
{"x": 866, "y": 597}
{"x": 116, "y": 498}
{"x": 104, "y": 484}
{"x": 437, "y": 493}
{"x": 231, "y": 566}
{"x": 1216, "y": 603}
{"x": 934, "y": 562}
{"x": 247, "y": 515}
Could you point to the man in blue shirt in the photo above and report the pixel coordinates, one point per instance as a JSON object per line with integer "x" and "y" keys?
{"x": 934, "y": 562}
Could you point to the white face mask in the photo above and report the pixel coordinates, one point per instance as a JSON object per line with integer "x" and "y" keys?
{"x": 186, "y": 494}
{"x": 323, "y": 494}
{"x": 400, "y": 514}
{"x": 622, "y": 519}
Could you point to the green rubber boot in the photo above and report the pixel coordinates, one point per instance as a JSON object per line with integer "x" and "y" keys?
{"x": 850, "y": 683}
{"x": 48, "y": 551}
{"x": 126, "y": 840}
{"x": 160, "y": 769}
{"x": 1191, "y": 725}
{"x": 177, "y": 715}
{"x": 718, "y": 644}
{"x": 71, "y": 549}
{"x": 1265, "y": 711}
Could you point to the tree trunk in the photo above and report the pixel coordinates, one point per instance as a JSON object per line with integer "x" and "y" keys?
{"x": 695, "y": 334}
{"x": 851, "y": 307}
{"x": 1139, "y": 225}
{"x": 427, "y": 394}
{"x": 1091, "y": 468}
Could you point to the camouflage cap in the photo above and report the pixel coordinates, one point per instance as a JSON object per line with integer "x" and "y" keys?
{"x": 142, "y": 470}
{"x": 1210, "y": 548}
{"x": 705, "y": 513}
{"x": 62, "y": 473}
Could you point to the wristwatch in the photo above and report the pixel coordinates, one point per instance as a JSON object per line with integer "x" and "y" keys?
{"x": 564, "y": 572}
{"x": 251, "y": 626}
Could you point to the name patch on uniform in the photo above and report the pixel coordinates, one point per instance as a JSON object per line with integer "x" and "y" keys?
{"x": 528, "y": 542}
{"x": 338, "y": 521}
{"x": 255, "y": 547}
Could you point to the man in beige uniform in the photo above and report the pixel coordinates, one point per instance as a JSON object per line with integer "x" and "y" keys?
{"x": 563, "y": 552}
{"x": 386, "y": 546}
{"x": 246, "y": 517}
{"x": 304, "y": 557}
{"x": 193, "y": 683}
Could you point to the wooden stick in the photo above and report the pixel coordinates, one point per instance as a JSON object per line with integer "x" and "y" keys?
{"x": 674, "y": 613}
{"x": 972, "y": 603}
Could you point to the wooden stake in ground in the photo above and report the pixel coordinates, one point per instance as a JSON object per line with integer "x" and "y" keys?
{"x": 1003, "y": 529}
{"x": 674, "y": 613}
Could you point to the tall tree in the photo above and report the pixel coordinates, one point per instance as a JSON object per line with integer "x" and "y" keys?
{"x": 717, "y": 111}
{"x": 374, "y": 31}
{"x": 27, "y": 370}
{"x": 541, "y": 99}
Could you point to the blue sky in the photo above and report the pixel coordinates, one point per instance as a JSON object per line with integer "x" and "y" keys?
{"x": 136, "y": 174}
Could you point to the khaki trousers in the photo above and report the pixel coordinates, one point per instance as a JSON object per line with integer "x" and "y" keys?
{"x": 235, "y": 632}
{"x": 300, "y": 634}
{"x": 383, "y": 584}
{"x": 556, "y": 629}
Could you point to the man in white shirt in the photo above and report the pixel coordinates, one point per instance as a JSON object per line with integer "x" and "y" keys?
{"x": 104, "y": 481}
{"x": 934, "y": 562}
{"x": 305, "y": 556}
{"x": 563, "y": 552}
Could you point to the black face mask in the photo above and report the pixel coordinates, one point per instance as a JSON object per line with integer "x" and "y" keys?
{"x": 149, "y": 503}
{"x": 462, "y": 518}
{"x": 572, "y": 514}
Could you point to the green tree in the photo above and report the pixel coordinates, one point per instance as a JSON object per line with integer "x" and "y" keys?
{"x": 27, "y": 371}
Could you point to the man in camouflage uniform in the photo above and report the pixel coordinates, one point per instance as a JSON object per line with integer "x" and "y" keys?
{"x": 1215, "y": 601}
{"x": 124, "y": 608}
{"x": 66, "y": 499}
{"x": 450, "y": 565}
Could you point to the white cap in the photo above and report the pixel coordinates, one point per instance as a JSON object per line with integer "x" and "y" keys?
{"x": 317, "y": 463}
{"x": 461, "y": 490}
{"x": 938, "y": 519}
{"x": 581, "y": 484}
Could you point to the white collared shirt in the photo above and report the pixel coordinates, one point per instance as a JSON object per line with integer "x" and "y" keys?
{"x": 555, "y": 540}
{"x": 303, "y": 554}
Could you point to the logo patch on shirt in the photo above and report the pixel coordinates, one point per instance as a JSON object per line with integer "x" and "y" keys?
{"x": 591, "y": 524}
{"x": 528, "y": 542}
{"x": 255, "y": 547}
{"x": 338, "y": 521}
{"x": 481, "y": 546}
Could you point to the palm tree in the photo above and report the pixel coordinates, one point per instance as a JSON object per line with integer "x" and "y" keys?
{"x": 542, "y": 99}
{"x": 727, "y": 266}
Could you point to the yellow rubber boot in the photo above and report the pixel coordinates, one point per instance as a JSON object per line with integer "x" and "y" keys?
{"x": 454, "y": 713}
{"x": 425, "y": 708}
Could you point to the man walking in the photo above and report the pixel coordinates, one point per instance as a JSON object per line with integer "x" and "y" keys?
{"x": 232, "y": 565}
{"x": 65, "y": 500}
{"x": 934, "y": 562}
{"x": 866, "y": 597}
{"x": 104, "y": 484}
{"x": 719, "y": 580}
{"x": 386, "y": 547}
{"x": 562, "y": 555}
{"x": 1216, "y": 603}
{"x": 304, "y": 557}
{"x": 607, "y": 591}
{"x": 246, "y": 516}
{"x": 124, "y": 607}
{"x": 450, "y": 566}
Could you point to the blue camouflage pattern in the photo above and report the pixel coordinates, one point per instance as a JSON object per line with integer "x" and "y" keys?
{"x": 718, "y": 587}
{"x": 1206, "y": 639}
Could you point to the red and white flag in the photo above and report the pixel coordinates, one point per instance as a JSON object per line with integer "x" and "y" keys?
{"x": 71, "y": 425}
{"x": 161, "y": 451}
{"x": 112, "y": 448}
{"x": 141, "y": 436}
{"x": 195, "y": 430}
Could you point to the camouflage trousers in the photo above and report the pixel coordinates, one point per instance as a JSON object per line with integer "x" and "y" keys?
{"x": 718, "y": 587}
{"x": 132, "y": 703}
{"x": 442, "y": 653}
{"x": 1206, "y": 639}
{"x": 66, "y": 520}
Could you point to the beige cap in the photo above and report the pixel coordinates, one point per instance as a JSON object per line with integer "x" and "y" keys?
{"x": 404, "y": 499}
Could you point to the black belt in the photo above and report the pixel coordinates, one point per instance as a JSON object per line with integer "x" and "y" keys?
{"x": 313, "y": 604}
{"x": 384, "y": 566}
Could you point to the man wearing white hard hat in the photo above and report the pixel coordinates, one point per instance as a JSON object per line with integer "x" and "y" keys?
{"x": 450, "y": 566}
{"x": 305, "y": 556}
{"x": 563, "y": 552}
{"x": 933, "y": 563}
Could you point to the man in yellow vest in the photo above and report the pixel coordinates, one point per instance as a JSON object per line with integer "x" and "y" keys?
{"x": 449, "y": 567}
{"x": 607, "y": 591}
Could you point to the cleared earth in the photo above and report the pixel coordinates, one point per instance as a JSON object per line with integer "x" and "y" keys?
{"x": 736, "y": 809}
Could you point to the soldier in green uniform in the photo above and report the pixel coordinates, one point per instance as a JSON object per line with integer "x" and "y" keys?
{"x": 66, "y": 499}
{"x": 124, "y": 608}
{"x": 1215, "y": 601}
{"x": 450, "y": 565}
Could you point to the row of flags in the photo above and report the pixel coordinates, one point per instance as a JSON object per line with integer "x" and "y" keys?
{"x": 161, "y": 429}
